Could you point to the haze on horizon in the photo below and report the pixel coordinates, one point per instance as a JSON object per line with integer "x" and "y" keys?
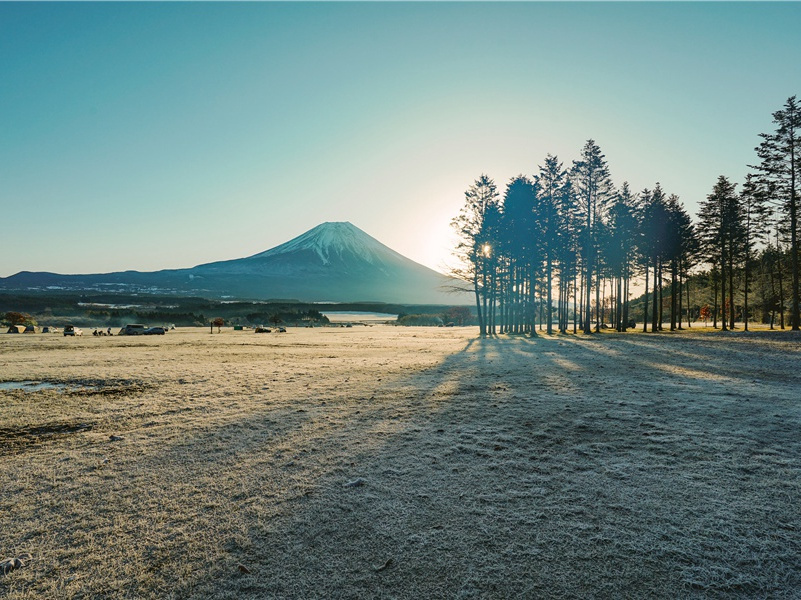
{"x": 151, "y": 136}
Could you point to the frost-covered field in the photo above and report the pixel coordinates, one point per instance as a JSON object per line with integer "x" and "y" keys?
{"x": 401, "y": 463}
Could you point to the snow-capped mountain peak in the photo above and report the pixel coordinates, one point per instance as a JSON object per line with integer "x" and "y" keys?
{"x": 334, "y": 240}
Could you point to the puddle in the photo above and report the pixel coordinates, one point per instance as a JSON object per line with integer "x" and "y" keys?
{"x": 39, "y": 386}
{"x": 30, "y": 386}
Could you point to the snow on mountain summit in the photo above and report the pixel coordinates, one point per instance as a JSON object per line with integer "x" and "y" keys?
{"x": 335, "y": 240}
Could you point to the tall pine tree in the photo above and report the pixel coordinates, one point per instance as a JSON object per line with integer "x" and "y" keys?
{"x": 780, "y": 153}
{"x": 476, "y": 232}
{"x": 593, "y": 188}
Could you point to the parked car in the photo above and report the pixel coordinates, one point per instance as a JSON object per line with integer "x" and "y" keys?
{"x": 132, "y": 329}
{"x": 72, "y": 330}
{"x": 154, "y": 331}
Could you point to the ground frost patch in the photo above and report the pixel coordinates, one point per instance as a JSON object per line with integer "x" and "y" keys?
{"x": 404, "y": 463}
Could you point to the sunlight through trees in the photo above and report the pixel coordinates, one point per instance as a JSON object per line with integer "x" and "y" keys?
{"x": 572, "y": 231}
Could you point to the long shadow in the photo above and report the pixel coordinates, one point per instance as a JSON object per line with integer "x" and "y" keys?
{"x": 494, "y": 483}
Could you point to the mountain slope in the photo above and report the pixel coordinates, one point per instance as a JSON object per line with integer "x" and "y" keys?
{"x": 333, "y": 262}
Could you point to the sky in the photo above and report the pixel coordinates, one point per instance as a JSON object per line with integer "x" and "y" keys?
{"x": 165, "y": 135}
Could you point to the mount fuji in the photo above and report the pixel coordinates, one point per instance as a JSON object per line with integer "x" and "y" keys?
{"x": 333, "y": 262}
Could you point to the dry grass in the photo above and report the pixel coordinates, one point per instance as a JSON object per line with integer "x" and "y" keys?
{"x": 402, "y": 463}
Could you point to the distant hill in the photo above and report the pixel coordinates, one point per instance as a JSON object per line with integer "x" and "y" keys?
{"x": 333, "y": 262}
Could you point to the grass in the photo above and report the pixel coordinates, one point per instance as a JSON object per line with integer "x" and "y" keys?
{"x": 402, "y": 463}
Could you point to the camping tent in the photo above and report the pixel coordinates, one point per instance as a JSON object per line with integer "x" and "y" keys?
{"x": 16, "y": 329}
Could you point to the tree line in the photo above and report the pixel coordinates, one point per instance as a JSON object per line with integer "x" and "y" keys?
{"x": 561, "y": 248}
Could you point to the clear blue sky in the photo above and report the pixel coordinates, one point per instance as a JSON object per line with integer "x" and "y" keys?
{"x": 147, "y": 136}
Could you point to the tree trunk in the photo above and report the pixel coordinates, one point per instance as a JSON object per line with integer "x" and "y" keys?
{"x": 745, "y": 293}
{"x": 481, "y": 325}
{"x": 673, "y": 278}
{"x": 681, "y": 289}
{"x": 655, "y": 305}
{"x": 549, "y": 294}
{"x": 624, "y": 302}
{"x": 795, "y": 316}
{"x": 781, "y": 295}
{"x": 598, "y": 307}
{"x": 588, "y": 294}
{"x": 723, "y": 326}
{"x": 715, "y": 285}
{"x": 687, "y": 287}
{"x": 485, "y": 302}
{"x": 731, "y": 288}
{"x": 645, "y": 303}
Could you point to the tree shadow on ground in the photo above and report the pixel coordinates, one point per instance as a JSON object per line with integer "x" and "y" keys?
{"x": 527, "y": 467}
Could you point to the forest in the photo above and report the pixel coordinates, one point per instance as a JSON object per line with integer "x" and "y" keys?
{"x": 566, "y": 250}
{"x": 101, "y": 310}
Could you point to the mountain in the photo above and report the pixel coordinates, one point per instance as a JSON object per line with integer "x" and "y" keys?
{"x": 333, "y": 262}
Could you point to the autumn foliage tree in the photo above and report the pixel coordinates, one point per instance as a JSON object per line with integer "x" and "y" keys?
{"x": 18, "y": 318}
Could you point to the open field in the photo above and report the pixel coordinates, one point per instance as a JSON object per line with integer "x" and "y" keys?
{"x": 402, "y": 463}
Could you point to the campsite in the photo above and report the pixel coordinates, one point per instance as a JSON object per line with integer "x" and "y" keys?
{"x": 402, "y": 462}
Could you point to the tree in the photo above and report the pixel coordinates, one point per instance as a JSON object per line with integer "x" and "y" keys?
{"x": 518, "y": 243}
{"x": 619, "y": 250}
{"x": 475, "y": 227}
{"x": 756, "y": 214}
{"x": 18, "y": 318}
{"x": 643, "y": 244}
{"x": 655, "y": 240}
{"x": 593, "y": 188}
{"x": 218, "y": 323}
{"x": 679, "y": 246}
{"x": 772, "y": 271}
{"x": 780, "y": 153}
{"x": 567, "y": 253}
{"x": 458, "y": 315}
{"x": 551, "y": 181}
{"x": 705, "y": 313}
{"x": 722, "y": 234}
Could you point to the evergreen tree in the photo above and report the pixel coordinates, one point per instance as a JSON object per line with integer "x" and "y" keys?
{"x": 620, "y": 248}
{"x": 722, "y": 233}
{"x": 756, "y": 214}
{"x": 568, "y": 242}
{"x": 593, "y": 189}
{"x": 678, "y": 244}
{"x": 656, "y": 227}
{"x": 780, "y": 153}
{"x": 643, "y": 244}
{"x": 476, "y": 233}
{"x": 551, "y": 180}
{"x": 519, "y": 244}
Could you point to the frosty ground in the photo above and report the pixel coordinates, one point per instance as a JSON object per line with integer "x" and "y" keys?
{"x": 401, "y": 463}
